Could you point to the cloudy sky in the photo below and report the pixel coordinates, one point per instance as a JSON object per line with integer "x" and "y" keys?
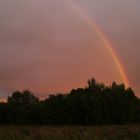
{"x": 45, "y": 46}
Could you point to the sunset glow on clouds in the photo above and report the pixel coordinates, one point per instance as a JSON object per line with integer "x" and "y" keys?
{"x": 47, "y": 48}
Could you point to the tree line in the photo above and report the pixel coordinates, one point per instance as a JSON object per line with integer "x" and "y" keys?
{"x": 93, "y": 105}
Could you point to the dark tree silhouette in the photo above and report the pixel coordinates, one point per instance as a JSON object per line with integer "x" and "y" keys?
{"x": 22, "y": 98}
{"x": 94, "y": 104}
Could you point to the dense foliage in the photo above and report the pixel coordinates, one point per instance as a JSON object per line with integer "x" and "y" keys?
{"x": 94, "y": 104}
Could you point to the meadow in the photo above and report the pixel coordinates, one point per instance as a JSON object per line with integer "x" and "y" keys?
{"x": 118, "y": 132}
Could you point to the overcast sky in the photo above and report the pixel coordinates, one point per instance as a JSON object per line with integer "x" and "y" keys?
{"x": 46, "y": 47}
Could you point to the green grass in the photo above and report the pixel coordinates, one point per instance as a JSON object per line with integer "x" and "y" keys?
{"x": 126, "y": 132}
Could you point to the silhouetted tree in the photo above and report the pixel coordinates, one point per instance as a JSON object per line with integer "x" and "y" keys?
{"x": 19, "y": 98}
{"x": 94, "y": 104}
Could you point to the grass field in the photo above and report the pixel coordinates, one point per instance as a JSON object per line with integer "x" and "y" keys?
{"x": 126, "y": 132}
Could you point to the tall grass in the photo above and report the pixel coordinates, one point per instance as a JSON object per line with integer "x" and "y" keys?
{"x": 129, "y": 132}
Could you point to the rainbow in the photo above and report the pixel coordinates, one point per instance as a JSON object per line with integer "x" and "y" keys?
{"x": 101, "y": 35}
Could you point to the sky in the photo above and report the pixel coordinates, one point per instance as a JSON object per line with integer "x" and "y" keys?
{"x": 46, "y": 47}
